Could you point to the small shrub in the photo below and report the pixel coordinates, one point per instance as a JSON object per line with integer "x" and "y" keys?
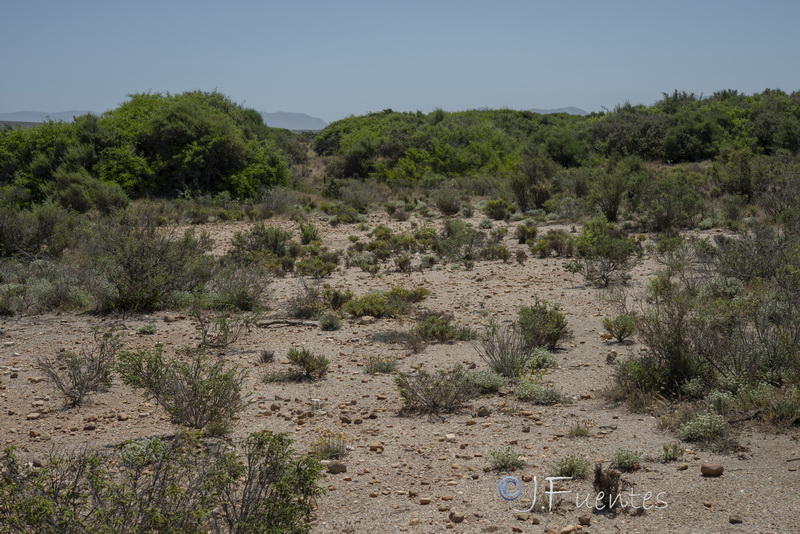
{"x": 448, "y": 201}
{"x": 603, "y": 254}
{"x": 573, "y": 466}
{"x": 77, "y": 376}
{"x": 311, "y": 365}
{"x": 259, "y": 241}
{"x": 555, "y": 242}
{"x": 505, "y": 459}
{"x": 495, "y": 251}
{"x": 622, "y": 326}
{"x": 196, "y": 393}
{"x": 404, "y": 263}
{"x": 486, "y": 381}
{"x": 626, "y": 460}
{"x": 308, "y": 233}
{"x": 220, "y": 331}
{"x": 377, "y": 365}
{"x": 441, "y": 391}
{"x": 704, "y": 428}
{"x": 147, "y": 330}
{"x": 266, "y": 356}
{"x": 542, "y": 325}
{"x": 526, "y": 233}
{"x": 438, "y": 327}
{"x": 497, "y": 209}
{"x": 330, "y": 322}
{"x": 314, "y": 267}
{"x": 540, "y": 358}
{"x": 139, "y": 453}
{"x": 485, "y": 224}
{"x": 532, "y": 391}
{"x": 720, "y": 402}
{"x": 385, "y": 303}
{"x": 578, "y": 430}
{"x": 308, "y": 302}
{"x": 672, "y": 452}
{"x": 330, "y": 445}
{"x": 503, "y": 349}
{"x": 520, "y": 256}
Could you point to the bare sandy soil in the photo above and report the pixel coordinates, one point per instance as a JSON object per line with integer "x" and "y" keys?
{"x": 427, "y": 471}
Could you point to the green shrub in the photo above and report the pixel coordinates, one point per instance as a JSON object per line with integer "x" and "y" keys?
{"x": 308, "y": 302}
{"x": 377, "y": 365}
{"x": 555, "y": 242}
{"x": 312, "y": 366}
{"x": 330, "y": 322}
{"x": 720, "y": 402}
{"x": 540, "y": 358}
{"x": 438, "y": 327}
{"x": 505, "y": 459}
{"x": 541, "y": 325}
{"x": 330, "y": 445}
{"x": 578, "y": 430}
{"x": 77, "y": 376}
{"x": 314, "y": 267}
{"x": 448, "y": 201}
{"x": 441, "y": 391}
{"x": 139, "y": 453}
{"x": 261, "y": 240}
{"x": 308, "y": 233}
{"x": 503, "y": 349}
{"x": 147, "y": 329}
{"x": 497, "y": 209}
{"x": 396, "y": 301}
{"x": 197, "y": 393}
{"x": 486, "y": 381}
{"x": 622, "y": 326}
{"x": 704, "y": 428}
{"x": 672, "y": 452}
{"x": 532, "y": 391}
{"x": 140, "y": 265}
{"x": 221, "y": 330}
{"x": 603, "y": 254}
{"x": 526, "y": 232}
{"x": 626, "y": 460}
{"x": 573, "y": 466}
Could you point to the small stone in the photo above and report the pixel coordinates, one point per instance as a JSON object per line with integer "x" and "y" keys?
{"x": 122, "y": 416}
{"x": 735, "y": 519}
{"x": 483, "y": 411}
{"x": 366, "y": 320}
{"x": 456, "y": 517}
{"x": 570, "y": 528}
{"x": 335, "y": 468}
{"x": 33, "y": 416}
{"x": 471, "y": 422}
{"x": 414, "y": 522}
{"x": 712, "y": 470}
{"x": 585, "y": 520}
{"x": 37, "y": 462}
{"x": 682, "y": 467}
{"x": 524, "y": 516}
{"x": 450, "y": 437}
{"x": 376, "y": 446}
{"x": 425, "y": 500}
{"x": 344, "y": 419}
{"x": 373, "y": 494}
{"x": 707, "y": 504}
{"x": 444, "y": 507}
{"x": 90, "y": 426}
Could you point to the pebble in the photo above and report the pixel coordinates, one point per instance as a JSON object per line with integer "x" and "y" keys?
{"x": 456, "y": 517}
{"x": 425, "y": 500}
{"x": 483, "y": 411}
{"x": 735, "y": 519}
{"x": 33, "y": 416}
{"x": 337, "y": 467}
{"x": 712, "y": 470}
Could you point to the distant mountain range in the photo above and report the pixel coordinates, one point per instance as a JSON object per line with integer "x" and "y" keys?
{"x": 569, "y": 110}
{"x": 281, "y": 119}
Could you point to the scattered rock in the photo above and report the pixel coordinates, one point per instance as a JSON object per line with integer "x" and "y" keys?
{"x": 366, "y": 320}
{"x": 712, "y": 470}
{"x": 122, "y": 416}
{"x": 336, "y": 468}
{"x": 483, "y": 411}
{"x": 523, "y": 516}
{"x": 735, "y": 519}
{"x": 90, "y": 427}
{"x": 570, "y": 528}
{"x": 682, "y": 467}
{"x": 456, "y": 517}
{"x": 585, "y": 520}
{"x": 376, "y": 446}
{"x": 424, "y": 500}
{"x": 33, "y": 416}
{"x": 707, "y": 504}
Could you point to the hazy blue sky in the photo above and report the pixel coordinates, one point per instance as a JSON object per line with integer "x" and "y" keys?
{"x": 334, "y": 58}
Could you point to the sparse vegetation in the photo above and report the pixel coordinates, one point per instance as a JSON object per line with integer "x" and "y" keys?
{"x": 573, "y": 466}
{"x": 310, "y": 365}
{"x": 626, "y": 460}
{"x": 505, "y": 459}
{"x": 441, "y": 391}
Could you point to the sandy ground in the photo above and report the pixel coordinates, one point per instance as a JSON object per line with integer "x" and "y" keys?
{"x": 427, "y": 471}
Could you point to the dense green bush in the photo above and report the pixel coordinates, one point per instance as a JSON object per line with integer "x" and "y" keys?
{"x": 603, "y": 254}
{"x": 396, "y": 301}
{"x": 542, "y": 325}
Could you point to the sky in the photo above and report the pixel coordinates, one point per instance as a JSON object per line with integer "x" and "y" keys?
{"x": 335, "y": 58}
